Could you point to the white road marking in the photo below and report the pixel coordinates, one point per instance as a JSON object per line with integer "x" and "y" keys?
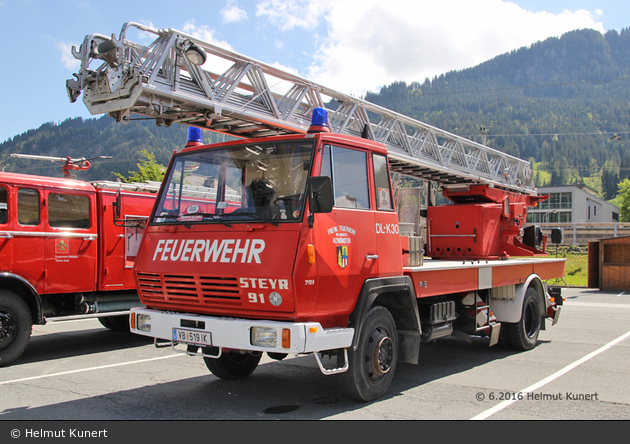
{"x": 547, "y": 380}
{"x": 89, "y": 369}
{"x": 596, "y": 305}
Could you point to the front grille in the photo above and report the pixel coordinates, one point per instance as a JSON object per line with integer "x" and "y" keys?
{"x": 189, "y": 290}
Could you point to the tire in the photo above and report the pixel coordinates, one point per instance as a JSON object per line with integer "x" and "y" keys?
{"x": 116, "y": 323}
{"x": 524, "y": 333}
{"x": 16, "y": 326}
{"x": 504, "y": 337}
{"x": 234, "y": 365}
{"x": 373, "y": 363}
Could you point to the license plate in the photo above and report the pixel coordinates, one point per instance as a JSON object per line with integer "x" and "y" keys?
{"x": 192, "y": 337}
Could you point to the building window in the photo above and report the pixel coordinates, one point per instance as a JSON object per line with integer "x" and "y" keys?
{"x": 558, "y": 201}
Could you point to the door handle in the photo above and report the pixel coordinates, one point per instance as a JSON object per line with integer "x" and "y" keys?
{"x": 6, "y": 236}
{"x": 89, "y": 238}
{"x": 371, "y": 257}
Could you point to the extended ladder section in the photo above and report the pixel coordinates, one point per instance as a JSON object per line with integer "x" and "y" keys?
{"x": 179, "y": 78}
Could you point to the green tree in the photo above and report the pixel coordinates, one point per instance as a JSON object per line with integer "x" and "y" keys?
{"x": 624, "y": 200}
{"x": 610, "y": 179}
{"x": 148, "y": 169}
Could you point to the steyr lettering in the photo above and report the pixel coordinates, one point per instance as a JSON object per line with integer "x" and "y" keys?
{"x": 264, "y": 283}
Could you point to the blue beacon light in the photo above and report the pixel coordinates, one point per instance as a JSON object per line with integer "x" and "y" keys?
{"x": 194, "y": 137}
{"x": 319, "y": 121}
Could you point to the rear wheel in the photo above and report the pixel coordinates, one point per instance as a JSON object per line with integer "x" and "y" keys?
{"x": 372, "y": 364}
{"x": 233, "y": 365}
{"x": 524, "y": 333}
{"x": 16, "y": 326}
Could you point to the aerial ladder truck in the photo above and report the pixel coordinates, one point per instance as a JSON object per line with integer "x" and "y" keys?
{"x": 287, "y": 239}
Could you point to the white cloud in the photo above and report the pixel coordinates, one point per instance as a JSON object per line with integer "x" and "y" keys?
{"x": 67, "y": 59}
{"x": 232, "y": 13}
{"x": 205, "y": 33}
{"x": 371, "y": 43}
{"x": 289, "y": 14}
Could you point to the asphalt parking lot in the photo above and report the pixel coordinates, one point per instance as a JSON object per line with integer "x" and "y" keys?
{"x": 80, "y": 371}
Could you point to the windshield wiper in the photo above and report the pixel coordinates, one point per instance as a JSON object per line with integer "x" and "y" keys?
{"x": 252, "y": 216}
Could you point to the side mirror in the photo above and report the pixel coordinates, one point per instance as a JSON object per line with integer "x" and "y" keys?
{"x": 320, "y": 196}
{"x": 116, "y": 206}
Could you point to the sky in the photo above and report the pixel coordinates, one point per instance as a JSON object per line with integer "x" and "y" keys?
{"x": 352, "y": 46}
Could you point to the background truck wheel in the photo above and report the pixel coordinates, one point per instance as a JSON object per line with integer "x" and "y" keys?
{"x": 16, "y": 326}
{"x": 373, "y": 363}
{"x": 524, "y": 334}
{"x": 234, "y": 365}
{"x": 116, "y": 323}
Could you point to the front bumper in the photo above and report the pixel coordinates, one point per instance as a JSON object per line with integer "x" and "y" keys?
{"x": 236, "y": 334}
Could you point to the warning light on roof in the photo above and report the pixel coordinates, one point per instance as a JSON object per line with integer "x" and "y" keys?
{"x": 319, "y": 121}
{"x": 194, "y": 137}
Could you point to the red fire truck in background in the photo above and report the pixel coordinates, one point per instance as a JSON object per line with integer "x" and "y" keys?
{"x": 67, "y": 250}
{"x": 291, "y": 240}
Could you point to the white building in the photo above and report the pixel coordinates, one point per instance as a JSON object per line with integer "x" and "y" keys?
{"x": 572, "y": 203}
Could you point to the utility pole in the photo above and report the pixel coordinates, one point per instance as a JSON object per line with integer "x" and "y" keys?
{"x": 483, "y": 131}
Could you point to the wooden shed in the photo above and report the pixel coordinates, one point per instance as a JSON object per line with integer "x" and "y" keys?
{"x": 609, "y": 264}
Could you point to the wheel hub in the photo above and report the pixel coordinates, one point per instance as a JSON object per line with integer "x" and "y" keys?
{"x": 7, "y": 326}
{"x": 380, "y": 353}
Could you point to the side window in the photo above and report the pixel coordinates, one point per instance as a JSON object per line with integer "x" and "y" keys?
{"x": 68, "y": 211}
{"x": 28, "y": 206}
{"x": 349, "y": 176}
{"x": 381, "y": 178}
{"x": 4, "y": 206}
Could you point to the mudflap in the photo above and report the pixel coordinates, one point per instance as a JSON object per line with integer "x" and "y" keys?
{"x": 494, "y": 333}
{"x": 556, "y": 314}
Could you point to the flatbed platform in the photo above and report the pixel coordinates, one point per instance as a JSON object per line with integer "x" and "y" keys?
{"x": 436, "y": 276}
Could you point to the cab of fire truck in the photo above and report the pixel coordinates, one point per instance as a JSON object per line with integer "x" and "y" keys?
{"x": 235, "y": 230}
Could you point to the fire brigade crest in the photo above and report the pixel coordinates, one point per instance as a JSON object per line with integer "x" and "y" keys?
{"x": 342, "y": 256}
{"x": 61, "y": 246}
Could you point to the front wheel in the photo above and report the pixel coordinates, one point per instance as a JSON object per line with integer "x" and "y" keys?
{"x": 372, "y": 364}
{"x": 115, "y": 323}
{"x": 524, "y": 333}
{"x": 233, "y": 365}
{"x": 16, "y": 326}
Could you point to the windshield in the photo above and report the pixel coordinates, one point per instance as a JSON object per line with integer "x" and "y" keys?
{"x": 245, "y": 183}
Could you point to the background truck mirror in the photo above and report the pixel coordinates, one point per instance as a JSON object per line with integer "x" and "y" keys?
{"x": 320, "y": 194}
{"x": 116, "y": 205}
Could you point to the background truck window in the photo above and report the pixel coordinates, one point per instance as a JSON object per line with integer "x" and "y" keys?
{"x": 28, "y": 206}
{"x": 4, "y": 206}
{"x": 68, "y": 211}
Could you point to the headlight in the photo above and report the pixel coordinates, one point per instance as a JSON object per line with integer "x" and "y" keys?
{"x": 264, "y": 337}
{"x": 143, "y": 322}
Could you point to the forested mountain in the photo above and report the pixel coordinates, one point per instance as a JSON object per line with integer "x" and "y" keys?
{"x": 562, "y": 103}
{"x": 95, "y": 137}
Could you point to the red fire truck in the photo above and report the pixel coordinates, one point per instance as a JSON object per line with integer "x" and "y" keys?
{"x": 290, "y": 240}
{"x": 67, "y": 249}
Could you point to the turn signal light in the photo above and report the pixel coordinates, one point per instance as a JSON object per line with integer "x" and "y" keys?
{"x": 310, "y": 248}
{"x": 286, "y": 338}
{"x": 133, "y": 320}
